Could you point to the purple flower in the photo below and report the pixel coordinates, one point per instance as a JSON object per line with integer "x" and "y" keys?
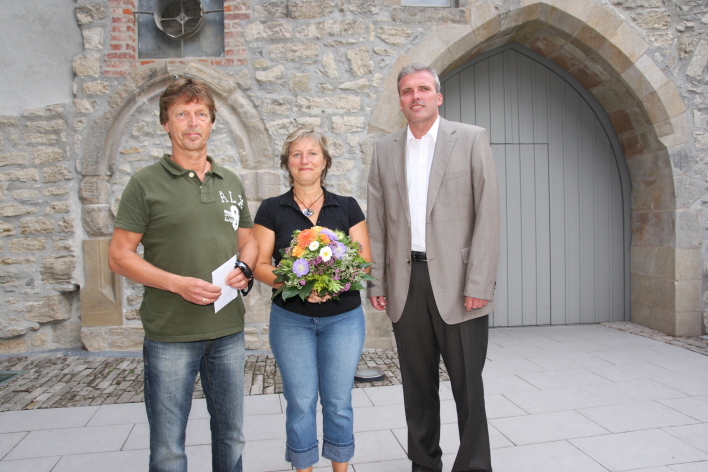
{"x": 338, "y": 249}
{"x": 301, "y": 267}
{"x": 347, "y": 286}
{"x": 329, "y": 233}
{"x": 303, "y": 283}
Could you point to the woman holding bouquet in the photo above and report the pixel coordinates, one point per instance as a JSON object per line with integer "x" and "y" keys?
{"x": 316, "y": 341}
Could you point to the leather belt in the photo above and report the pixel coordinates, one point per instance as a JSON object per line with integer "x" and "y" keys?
{"x": 418, "y": 256}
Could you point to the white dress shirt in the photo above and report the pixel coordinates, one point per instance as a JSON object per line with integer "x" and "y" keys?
{"x": 419, "y": 158}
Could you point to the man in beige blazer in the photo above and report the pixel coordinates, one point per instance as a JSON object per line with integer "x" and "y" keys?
{"x": 433, "y": 216}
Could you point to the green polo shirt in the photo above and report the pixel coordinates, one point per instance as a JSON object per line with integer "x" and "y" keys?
{"x": 189, "y": 228}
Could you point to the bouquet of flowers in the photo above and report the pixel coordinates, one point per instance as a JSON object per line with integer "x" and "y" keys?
{"x": 322, "y": 260}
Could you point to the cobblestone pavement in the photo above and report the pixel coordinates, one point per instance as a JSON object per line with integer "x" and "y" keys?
{"x": 78, "y": 378}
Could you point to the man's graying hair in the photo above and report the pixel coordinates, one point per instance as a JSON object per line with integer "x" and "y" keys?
{"x": 414, "y": 67}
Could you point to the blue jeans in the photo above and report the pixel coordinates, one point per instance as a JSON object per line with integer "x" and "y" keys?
{"x": 317, "y": 355}
{"x": 170, "y": 372}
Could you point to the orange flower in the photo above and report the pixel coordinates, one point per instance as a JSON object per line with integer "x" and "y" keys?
{"x": 324, "y": 239}
{"x": 298, "y": 251}
{"x": 305, "y": 238}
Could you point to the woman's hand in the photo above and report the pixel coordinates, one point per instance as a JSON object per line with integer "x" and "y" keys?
{"x": 314, "y": 297}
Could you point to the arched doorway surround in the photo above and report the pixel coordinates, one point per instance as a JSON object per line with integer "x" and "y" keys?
{"x": 607, "y": 56}
{"x": 564, "y": 188}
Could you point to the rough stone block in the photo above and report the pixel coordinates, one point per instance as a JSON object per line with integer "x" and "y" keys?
{"x": 101, "y": 294}
{"x": 6, "y": 229}
{"x": 10, "y": 346}
{"x": 347, "y": 124}
{"x": 126, "y": 338}
{"x": 58, "y": 207}
{"x": 299, "y": 83}
{"x": 53, "y": 174}
{"x": 97, "y": 220}
{"x": 45, "y": 154}
{"x": 272, "y": 30}
{"x": 93, "y": 38}
{"x": 308, "y": 9}
{"x": 276, "y": 75}
{"x": 95, "y": 190}
{"x": 36, "y": 225}
{"x": 15, "y": 209}
{"x": 319, "y": 105}
{"x": 20, "y": 175}
{"x": 13, "y": 159}
{"x": 96, "y": 87}
{"x": 293, "y": 52}
{"x": 360, "y": 61}
{"x": 46, "y": 309}
{"x": 95, "y": 339}
{"x": 57, "y": 269}
{"x": 87, "y": 66}
{"x": 332, "y": 28}
{"x": 25, "y": 245}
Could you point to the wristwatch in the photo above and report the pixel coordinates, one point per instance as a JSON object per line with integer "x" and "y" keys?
{"x": 246, "y": 272}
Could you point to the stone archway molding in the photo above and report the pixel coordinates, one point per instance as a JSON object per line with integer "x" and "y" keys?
{"x": 611, "y": 59}
{"x": 241, "y": 116}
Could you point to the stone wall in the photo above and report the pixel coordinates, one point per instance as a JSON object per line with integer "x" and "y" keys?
{"x": 332, "y": 63}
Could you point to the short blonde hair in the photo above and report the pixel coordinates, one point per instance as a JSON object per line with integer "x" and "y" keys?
{"x": 305, "y": 131}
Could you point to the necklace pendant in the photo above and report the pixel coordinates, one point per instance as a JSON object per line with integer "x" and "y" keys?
{"x": 307, "y": 212}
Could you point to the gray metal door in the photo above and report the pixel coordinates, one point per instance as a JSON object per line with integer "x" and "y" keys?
{"x": 564, "y": 188}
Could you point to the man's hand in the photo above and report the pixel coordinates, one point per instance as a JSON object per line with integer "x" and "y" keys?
{"x": 236, "y": 279}
{"x": 472, "y": 303}
{"x": 378, "y": 302}
{"x": 198, "y": 291}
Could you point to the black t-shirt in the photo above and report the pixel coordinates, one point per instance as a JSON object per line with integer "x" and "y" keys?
{"x": 282, "y": 215}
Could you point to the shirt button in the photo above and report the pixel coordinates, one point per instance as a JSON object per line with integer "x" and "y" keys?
{"x": 191, "y": 174}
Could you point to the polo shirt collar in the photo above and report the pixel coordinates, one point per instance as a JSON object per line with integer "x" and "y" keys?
{"x": 176, "y": 169}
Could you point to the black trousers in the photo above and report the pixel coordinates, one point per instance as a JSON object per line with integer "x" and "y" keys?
{"x": 422, "y": 337}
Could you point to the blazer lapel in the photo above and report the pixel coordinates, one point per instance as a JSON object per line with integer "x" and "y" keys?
{"x": 398, "y": 155}
{"x": 443, "y": 148}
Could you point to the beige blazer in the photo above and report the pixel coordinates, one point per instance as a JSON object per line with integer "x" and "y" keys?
{"x": 462, "y": 221}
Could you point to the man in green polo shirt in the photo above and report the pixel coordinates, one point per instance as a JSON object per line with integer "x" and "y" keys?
{"x": 191, "y": 216}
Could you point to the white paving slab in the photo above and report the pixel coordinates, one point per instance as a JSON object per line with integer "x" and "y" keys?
{"x": 51, "y": 418}
{"x": 260, "y": 427}
{"x": 499, "y": 406}
{"x": 504, "y": 384}
{"x": 41, "y": 464}
{"x": 264, "y": 456}
{"x": 8, "y": 441}
{"x": 568, "y": 360}
{"x": 547, "y": 427}
{"x": 694, "y": 385}
{"x": 695, "y": 407}
{"x": 139, "y": 438}
{"x": 633, "y": 392}
{"x": 60, "y": 442}
{"x": 544, "y": 401}
{"x": 631, "y": 371}
{"x": 376, "y": 418}
{"x": 563, "y": 379}
{"x": 381, "y": 396}
{"x": 632, "y": 355}
{"x": 124, "y": 413}
{"x": 134, "y": 461}
{"x": 696, "y": 435}
{"x": 690, "y": 467}
{"x": 373, "y": 446}
{"x": 545, "y": 457}
{"x": 638, "y": 449}
{"x": 636, "y": 416}
{"x": 509, "y": 366}
{"x": 262, "y": 405}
